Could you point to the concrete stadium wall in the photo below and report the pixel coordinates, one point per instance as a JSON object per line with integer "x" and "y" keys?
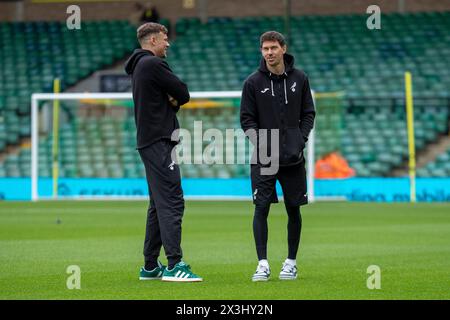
{"x": 28, "y": 10}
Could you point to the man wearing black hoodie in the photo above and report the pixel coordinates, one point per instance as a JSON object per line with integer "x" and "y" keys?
{"x": 277, "y": 98}
{"x": 158, "y": 94}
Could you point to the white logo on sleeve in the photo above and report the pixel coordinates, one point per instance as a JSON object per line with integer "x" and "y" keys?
{"x": 293, "y": 86}
{"x": 171, "y": 165}
{"x": 265, "y": 90}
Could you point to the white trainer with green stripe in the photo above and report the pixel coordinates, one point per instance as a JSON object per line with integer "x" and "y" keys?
{"x": 288, "y": 272}
{"x": 262, "y": 273}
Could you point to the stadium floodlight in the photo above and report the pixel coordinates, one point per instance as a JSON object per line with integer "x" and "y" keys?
{"x": 73, "y": 103}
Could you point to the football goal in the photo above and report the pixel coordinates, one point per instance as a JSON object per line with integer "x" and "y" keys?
{"x": 83, "y": 146}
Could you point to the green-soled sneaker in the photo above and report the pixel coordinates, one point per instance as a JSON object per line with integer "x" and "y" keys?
{"x": 155, "y": 274}
{"x": 181, "y": 272}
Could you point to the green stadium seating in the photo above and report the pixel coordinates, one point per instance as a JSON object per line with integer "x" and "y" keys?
{"x": 337, "y": 52}
{"x": 440, "y": 167}
{"x": 33, "y": 54}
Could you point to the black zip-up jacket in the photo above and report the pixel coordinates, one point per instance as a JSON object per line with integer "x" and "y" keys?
{"x": 281, "y": 102}
{"x": 152, "y": 82}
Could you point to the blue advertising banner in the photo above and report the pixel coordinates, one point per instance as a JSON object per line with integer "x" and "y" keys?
{"x": 354, "y": 189}
{"x": 385, "y": 189}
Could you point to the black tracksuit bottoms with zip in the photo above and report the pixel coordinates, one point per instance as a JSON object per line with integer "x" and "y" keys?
{"x": 166, "y": 207}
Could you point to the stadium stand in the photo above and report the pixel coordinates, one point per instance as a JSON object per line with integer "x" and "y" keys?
{"x": 34, "y": 53}
{"x": 438, "y": 168}
{"x": 338, "y": 53}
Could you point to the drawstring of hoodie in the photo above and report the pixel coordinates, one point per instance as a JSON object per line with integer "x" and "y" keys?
{"x": 285, "y": 91}
{"x": 271, "y": 83}
{"x": 285, "y": 94}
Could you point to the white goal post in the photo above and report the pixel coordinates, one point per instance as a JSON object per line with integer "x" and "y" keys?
{"x": 37, "y": 97}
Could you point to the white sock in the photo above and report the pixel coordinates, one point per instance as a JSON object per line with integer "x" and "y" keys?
{"x": 291, "y": 262}
{"x": 264, "y": 262}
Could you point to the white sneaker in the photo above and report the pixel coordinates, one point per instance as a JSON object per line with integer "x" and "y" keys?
{"x": 288, "y": 272}
{"x": 262, "y": 273}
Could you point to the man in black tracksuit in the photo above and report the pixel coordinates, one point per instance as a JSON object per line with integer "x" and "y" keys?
{"x": 278, "y": 98}
{"x": 158, "y": 94}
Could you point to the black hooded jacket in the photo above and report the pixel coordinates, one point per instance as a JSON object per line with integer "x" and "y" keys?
{"x": 152, "y": 82}
{"x": 281, "y": 102}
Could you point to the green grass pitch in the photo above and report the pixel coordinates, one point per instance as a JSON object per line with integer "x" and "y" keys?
{"x": 410, "y": 244}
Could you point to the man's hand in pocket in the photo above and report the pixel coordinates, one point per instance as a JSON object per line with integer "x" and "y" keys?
{"x": 172, "y": 101}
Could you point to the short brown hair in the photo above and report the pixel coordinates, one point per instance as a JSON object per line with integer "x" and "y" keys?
{"x": 272, "y": 36}
{"x": 149, "y": 28}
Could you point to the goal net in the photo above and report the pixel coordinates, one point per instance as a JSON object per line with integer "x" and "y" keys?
{"x": 83, "y": 146}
